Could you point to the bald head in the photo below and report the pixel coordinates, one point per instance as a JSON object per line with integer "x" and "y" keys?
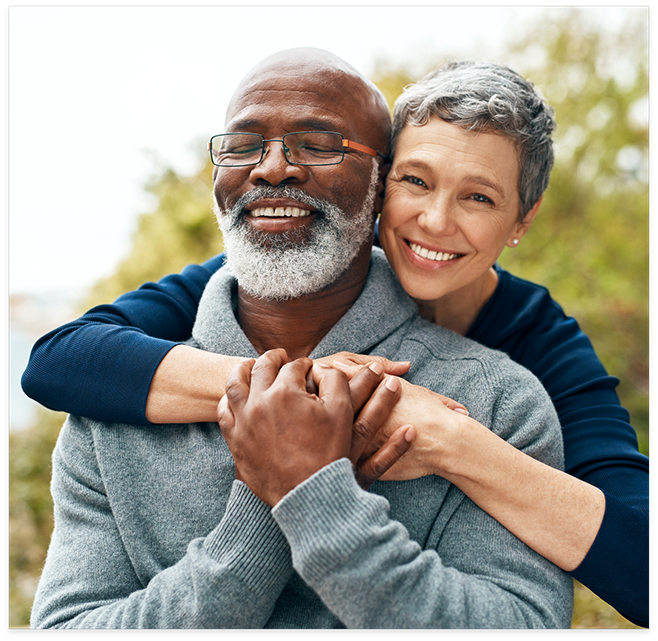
{"x": 318, "y": 79}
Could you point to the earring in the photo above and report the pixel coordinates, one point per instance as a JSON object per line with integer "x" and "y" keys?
{"x": 515, "y": 242}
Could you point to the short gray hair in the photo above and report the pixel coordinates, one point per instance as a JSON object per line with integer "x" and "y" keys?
{"x": 490, "y": 98}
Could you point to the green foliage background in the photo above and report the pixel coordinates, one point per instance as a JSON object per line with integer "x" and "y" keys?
{"x": 589, "y": 246}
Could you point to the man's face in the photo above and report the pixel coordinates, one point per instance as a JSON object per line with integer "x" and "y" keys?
{"x": 291, "y": 230}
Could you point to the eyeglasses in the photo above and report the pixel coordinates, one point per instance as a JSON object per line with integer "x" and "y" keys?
{"x": 299, "y": 147}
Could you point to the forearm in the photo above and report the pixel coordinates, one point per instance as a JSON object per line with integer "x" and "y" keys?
{"x": 229, "y": 579}
{"x": 552, "y": 512}
{"x": 188, "y": 385}
{"x": 371, "y": 575}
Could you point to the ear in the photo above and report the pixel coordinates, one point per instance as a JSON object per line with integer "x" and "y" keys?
{"x": 521, "y": 229}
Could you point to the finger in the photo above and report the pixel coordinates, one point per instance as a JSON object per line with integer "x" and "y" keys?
{"x": 363, "y": 384}
{"x": 294, "y": 375}
{"x": 351, "y": 363}
{"x": 311, "y": 387}
{"x": 238, "y": 384}
{"x": 453, "y": 405}
{"x": 348, "y": 370}
{"x": 266, "y": 369}
{"x": 225, "y": 418}
{"x": 333, "y": 388}
{"x": 374, "y": 467}
{"x": 374, "y": 414}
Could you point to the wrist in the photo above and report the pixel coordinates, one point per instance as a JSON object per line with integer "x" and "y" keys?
{"x": 464, "y": 453}
{"x": 188, "y": 385}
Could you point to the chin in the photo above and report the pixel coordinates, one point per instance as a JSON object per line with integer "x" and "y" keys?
{"x": 422, "y": 291}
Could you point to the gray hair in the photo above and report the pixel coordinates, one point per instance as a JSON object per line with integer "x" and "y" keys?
{"x": 490, "y": 98}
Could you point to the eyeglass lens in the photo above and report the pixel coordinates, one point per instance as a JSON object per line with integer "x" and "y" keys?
{"x": 303, "y": 148}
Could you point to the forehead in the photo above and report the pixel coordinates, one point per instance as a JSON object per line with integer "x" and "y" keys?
{"x": 439, "y": 143}
{"x": 288, "y": 101}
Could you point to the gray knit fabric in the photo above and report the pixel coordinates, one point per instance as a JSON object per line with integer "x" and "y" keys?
{"x": 153, "y": 531}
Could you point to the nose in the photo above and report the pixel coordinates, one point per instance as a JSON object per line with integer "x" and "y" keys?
{"x": 438, "y": 217}
{"x": 274, "y": 169}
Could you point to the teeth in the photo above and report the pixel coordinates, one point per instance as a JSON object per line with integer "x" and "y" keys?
{"x": 280, "y": 212}
{"x": 431, "y": 255}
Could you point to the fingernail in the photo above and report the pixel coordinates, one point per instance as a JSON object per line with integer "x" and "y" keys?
{"x": 410, "y": 435}
{"x": 392, "y": 383}
{"x": 376, "y": 368}
{"x": 461, "y": 410}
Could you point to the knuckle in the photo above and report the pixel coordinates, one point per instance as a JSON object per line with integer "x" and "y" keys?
{"x": 232, "y": 391}
{"x": 363, "y": 427}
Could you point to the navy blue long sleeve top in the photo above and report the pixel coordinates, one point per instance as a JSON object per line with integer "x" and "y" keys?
{"x": 102, "y": 364}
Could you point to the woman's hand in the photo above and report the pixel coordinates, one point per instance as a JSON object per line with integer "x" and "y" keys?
{"x": 350, "y": 364}
{"x": 418, "y": 406}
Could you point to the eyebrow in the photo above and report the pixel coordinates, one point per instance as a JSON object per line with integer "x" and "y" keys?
{"x": 476, "y": 178}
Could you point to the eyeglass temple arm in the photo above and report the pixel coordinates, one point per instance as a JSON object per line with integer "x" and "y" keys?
{"x": 366, "y": 150}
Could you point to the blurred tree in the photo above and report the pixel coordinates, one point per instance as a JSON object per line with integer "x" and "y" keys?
{"x": 180, "y": 230}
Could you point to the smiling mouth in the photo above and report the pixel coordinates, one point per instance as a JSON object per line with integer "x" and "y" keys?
{"x": 279, "y": 212}
{"x": 423, "y": 252}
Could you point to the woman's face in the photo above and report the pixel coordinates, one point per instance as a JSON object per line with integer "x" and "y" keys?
{"x": 451, "y": 206}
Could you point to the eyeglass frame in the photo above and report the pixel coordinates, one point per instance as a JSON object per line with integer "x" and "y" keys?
{"x": 350, "y": 144}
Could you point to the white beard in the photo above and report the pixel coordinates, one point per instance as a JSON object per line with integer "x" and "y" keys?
{"x": 290, "y": 264}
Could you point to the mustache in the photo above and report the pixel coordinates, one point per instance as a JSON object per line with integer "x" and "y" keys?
{"x": 315, "y": 204}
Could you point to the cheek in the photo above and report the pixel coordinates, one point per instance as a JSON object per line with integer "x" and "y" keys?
{"x": 488, "y": 236}
{"x": 227, "y": 186}
{"x": 397, "y": 211}
{"x": 347, "y": 192}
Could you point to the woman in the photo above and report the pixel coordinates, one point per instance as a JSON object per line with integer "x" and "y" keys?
{"x": 472, "y": 158}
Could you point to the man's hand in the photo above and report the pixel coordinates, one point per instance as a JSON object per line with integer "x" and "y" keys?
{"x": 280, "y": 434}
{"x": 372, "y": 454}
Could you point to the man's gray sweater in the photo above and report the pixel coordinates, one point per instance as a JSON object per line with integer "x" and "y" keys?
{"x": 153, "y": 531}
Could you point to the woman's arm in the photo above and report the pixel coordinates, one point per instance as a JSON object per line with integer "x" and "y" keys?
{"x": 600, "y": 445}
{"x": 188, "y": 385}
{"x": 552, "y": 512}
{"x": 598, "y": 530}
{"x": 113, "y": 351}
{"x": 555, "y": 514}
{"x": 128, "y": 358}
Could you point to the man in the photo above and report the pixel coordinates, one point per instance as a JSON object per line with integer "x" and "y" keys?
{"x": 152, "y": 529}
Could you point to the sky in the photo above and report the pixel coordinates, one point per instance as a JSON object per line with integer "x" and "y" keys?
{"x": 102, "y": 98}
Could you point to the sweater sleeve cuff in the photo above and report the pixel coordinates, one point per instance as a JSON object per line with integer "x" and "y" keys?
{"x": 627, "y": 591}
{"x": 250, "y": 543}
{"x": 327, "y": 518}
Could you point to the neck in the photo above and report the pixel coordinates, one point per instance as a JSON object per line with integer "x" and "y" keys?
{"x": 299, "y": 324}
{"x": 458, "y": 310}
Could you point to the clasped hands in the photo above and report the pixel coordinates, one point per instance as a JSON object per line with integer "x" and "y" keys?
{"x": 284, "y": 421}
